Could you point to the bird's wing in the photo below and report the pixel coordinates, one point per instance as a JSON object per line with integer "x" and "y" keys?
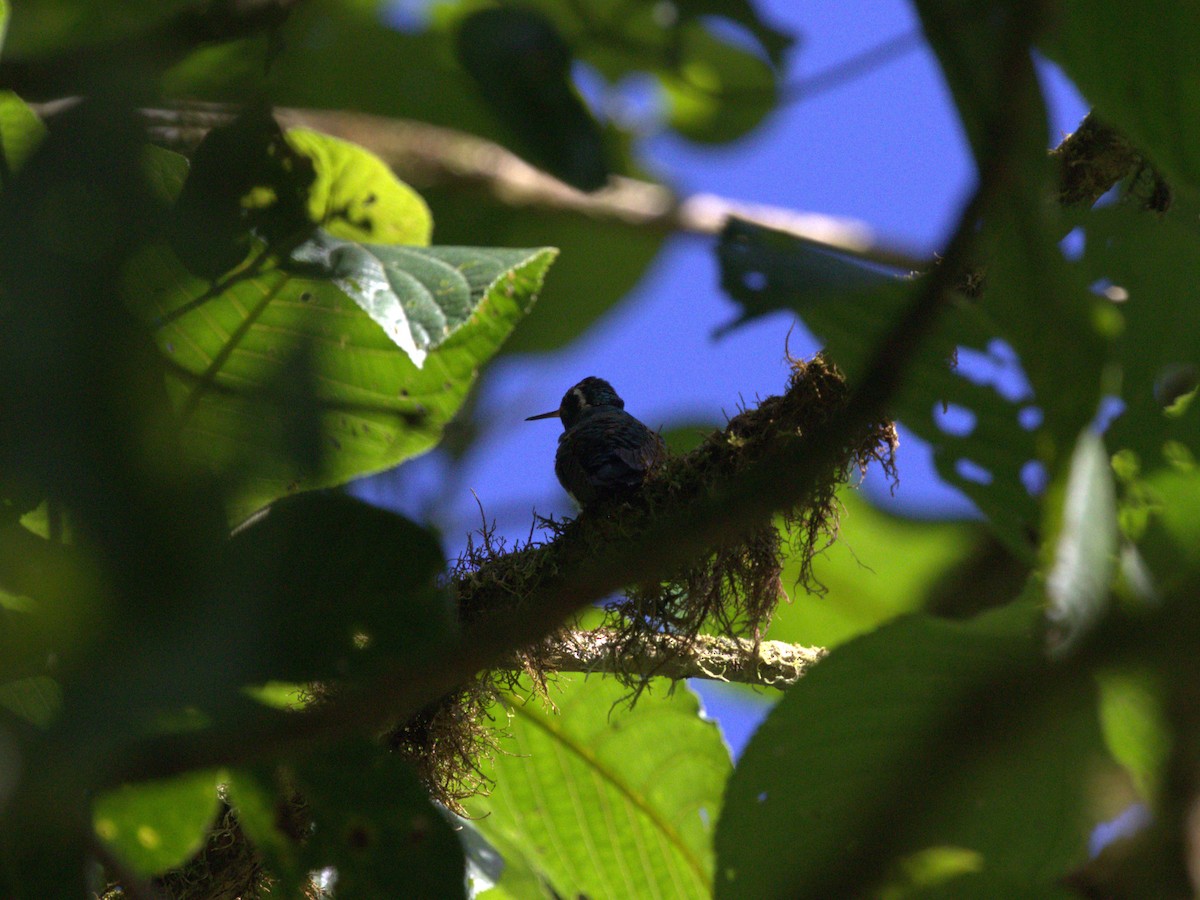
{"x": 608, "y": 451}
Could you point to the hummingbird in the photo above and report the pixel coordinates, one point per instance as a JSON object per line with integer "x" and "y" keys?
{"x": 603, "y": 450}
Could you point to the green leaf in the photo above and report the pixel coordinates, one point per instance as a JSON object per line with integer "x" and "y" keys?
{"x": 1136, "y": 726}
{"x": 256, "y": 805}
{"x": 851, "y": 307}
{"x": 328, "y": 45}
{"x": 357, "y": 197}
{"x": 848, "y": 304}
{"x": 35, "y": 699}
{"x": 774, "y": 43}
{"x": 715, "y": 90}
{"x": 1153, "y": 264}
{"x": 522, "y": 68}
{"x": 278, "y": 374}
{"x": 1171, "y": 542}
{"x": 715, "y": 93}
{"x": 157, "y": 825}
{"x": 372, "y": 821}
{"x": 606, "y": 801}
{"x": 419, "y": 296}
{"x": 1146, "y": 83}
{"x": 20, "y": 128}
{"x": 49, "y": 27}
{"x": 1085, "y": 546}
{"x": 923, "y": 734}
{"x": 880, "y": 567}
{"x": 969, "y": 38}
{"x": 335, "y": 585}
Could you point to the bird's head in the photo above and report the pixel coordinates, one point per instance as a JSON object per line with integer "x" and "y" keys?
{"x": 590, "y": 393}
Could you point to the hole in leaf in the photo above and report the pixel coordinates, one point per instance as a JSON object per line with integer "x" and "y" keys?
{"x": 954, "y": 419}
{"x": 1034, "y": 477}
{"x": 1106, "y": 413}
{"x": 1104, "y": 287}
{"x": 636, "y": 103}
{"x": 1030, "y": 417}
{"x": 969, "y": 470}
{"x": 1074, "y": 243}
{"x": 762, "y": 797}
{"x": 754, "y": 280}
{"x": 997, "y": 367}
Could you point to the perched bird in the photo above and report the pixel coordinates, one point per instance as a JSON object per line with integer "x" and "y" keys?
{"x": 603, "y": 450}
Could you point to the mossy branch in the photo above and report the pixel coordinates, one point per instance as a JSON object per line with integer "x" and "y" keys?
{"x": 775, "y": 664}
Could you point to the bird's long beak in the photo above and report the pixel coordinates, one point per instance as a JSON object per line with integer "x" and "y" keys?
{"x": 553, "y": 414}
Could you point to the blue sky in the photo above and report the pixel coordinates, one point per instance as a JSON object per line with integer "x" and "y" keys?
{"x": 884, "y": 147}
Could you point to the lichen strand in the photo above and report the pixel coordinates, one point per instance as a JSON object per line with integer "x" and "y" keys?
{"x": 732, "y": 589}
{"x": 445, "y": 742}
{"x": 735, "y": 589}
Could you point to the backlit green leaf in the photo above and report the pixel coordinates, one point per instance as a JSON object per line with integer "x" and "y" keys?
{"x": 308, "y": 378}
{"x": 606, "y": 801}
{"x": 157, "y": 825}
{"x": 356, "y": 197}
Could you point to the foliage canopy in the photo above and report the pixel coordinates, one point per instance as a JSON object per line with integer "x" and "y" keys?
{"x": 210, "y": 323}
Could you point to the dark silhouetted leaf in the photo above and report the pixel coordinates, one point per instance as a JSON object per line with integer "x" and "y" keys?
{"x": 1146, "y": 82}
{"x": 322, "y": 585}
{"x": 372, "y": 822}
{"x": 41, "y": 27}
{"x": 905, "y": 740}
{"x": 522, "y": 67}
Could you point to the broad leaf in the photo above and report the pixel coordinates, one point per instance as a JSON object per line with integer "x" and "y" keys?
{"x": 522, "y": 67}
{"x": 155, "y": 826}
{"x": 20, "y": 129}
{"x": 323, "y": 586}
{"x": 309, "y": 375}
{"x": 972, "y": 39}
{"x": 606, "y": 801}
{"x": 47, "y": 27}
{"x": 851, "y": 307}
{"x": 906, "y": 740}
{"x": 356, "y": 197}
{"x": 1136, "y": 726}
{"x": 371, "y": 821}
{"x": 1146, "y": 82}
{"x": 880, "y": 567}
{"x": 328, "y": 44}
{"x": 35, "y": 699}
{"x": 1153, "y": 265}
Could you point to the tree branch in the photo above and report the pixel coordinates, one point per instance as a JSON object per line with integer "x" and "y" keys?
{"x": 715, "y": 657}
{"x": 429, "y": 156}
